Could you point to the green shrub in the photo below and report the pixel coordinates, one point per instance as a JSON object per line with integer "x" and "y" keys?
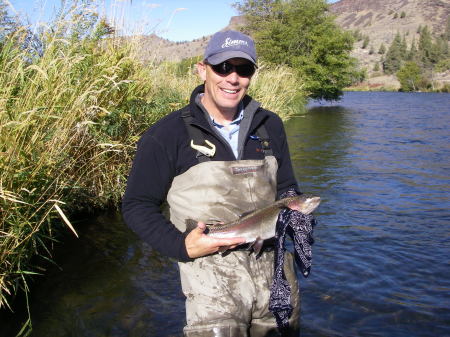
{"x": 445, "y": 88}
{"x": 409, "y": 76}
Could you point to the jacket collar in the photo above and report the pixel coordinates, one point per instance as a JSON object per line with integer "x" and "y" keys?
{"x": 249, "y": 103}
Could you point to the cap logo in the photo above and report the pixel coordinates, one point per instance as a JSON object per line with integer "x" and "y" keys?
{"x": 230, "y": 43}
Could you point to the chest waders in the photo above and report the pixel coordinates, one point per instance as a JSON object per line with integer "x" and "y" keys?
{"x": 228, "y": 296}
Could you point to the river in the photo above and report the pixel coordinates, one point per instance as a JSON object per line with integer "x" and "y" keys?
{"x": 380, "y": 162}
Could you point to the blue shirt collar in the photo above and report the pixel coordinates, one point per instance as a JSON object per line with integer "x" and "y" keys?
{"x": 235, "y": 121}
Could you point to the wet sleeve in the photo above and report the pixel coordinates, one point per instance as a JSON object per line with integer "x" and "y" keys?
{"x": 148, "y": 182}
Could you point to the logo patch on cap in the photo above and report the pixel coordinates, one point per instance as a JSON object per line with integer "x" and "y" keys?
{"x": 225, "y": 45}
{"x": 233, "y": 43}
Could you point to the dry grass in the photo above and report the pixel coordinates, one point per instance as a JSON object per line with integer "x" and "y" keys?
{"x": 278, "y": 90}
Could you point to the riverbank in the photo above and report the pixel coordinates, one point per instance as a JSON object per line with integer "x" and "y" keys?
{"x": 379, "y": 82}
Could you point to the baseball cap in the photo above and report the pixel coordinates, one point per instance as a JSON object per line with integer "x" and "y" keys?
{"x": 229, "y": 44}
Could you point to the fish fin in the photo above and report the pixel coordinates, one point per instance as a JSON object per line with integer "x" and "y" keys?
{"x": 190, "y": 225}
{"x": 257, "y": 246}
{"x": 223, "y": 251}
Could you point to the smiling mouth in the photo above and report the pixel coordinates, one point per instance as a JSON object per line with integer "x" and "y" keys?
{"x": 228, "y": 91}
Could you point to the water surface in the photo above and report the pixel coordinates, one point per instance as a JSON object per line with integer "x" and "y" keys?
{"x": 380, "y": 162}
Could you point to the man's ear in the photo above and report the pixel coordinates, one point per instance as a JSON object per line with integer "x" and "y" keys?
{"x": 201, "y": 68}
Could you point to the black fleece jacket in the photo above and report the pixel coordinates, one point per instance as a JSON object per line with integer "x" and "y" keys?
{"x": 164, "y": 152}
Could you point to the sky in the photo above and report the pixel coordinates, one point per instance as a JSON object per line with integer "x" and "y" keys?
{"x": 176, "y": 20}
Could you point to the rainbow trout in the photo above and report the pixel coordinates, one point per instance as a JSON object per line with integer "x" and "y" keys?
{"x": 258, "y": 225}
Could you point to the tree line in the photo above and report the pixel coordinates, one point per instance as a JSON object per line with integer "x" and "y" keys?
{"x": 303, "y": 35}
{"x": 416, "y": 64}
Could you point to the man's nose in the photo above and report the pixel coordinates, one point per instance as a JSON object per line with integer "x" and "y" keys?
{"x": 233, "y": 77}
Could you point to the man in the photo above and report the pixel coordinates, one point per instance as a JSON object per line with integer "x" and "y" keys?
{"x": 215, "y": 159}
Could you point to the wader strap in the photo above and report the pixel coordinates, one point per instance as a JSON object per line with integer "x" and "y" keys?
{"x": 263, "y": 136}
{"x": 197, "y": 136}
{"x": 195, "y": 133}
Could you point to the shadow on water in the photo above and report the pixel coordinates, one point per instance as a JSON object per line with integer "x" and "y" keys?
{"x": 107, "y": 283}
{"x": 318, "y": 141}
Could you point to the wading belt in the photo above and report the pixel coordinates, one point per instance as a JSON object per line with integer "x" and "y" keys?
{"x": 196, "y": 134}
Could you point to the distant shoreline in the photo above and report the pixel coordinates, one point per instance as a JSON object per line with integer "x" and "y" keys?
{"x": 390, "y": 83}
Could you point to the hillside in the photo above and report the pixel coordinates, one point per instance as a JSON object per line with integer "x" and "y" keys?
{"x": 379, "y": 20}
{"x": 155, "y": 49}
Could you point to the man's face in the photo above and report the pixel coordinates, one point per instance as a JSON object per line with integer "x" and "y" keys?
{"x": 223, "y": 92}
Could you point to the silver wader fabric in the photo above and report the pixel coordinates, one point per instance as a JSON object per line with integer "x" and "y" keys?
{"x": 228, "y": 296}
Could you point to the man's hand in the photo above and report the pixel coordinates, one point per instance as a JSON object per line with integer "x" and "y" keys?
{"x": 199, "y": 244}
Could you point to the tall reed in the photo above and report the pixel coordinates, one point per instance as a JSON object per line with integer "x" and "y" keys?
{"x": 68, "y": 122}
{"x": 70, "y": 116}
{"x": 278, "y": 89}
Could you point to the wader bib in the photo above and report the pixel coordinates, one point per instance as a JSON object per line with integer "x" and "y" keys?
{"x": 228, "y": 296}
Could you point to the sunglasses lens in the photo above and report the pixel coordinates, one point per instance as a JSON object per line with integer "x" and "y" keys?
{"x": 225, "y": 68}
{"x": 245, "y": 70}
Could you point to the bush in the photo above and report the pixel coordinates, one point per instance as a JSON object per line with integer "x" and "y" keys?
{"x": 409, "y": 76}
{"x": 443, "y": 65}
{"x": 365, "y": 42}
{"x": 445, "y": 88}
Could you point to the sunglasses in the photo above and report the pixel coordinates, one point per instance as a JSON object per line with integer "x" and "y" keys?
{"x": 225, "y": 68}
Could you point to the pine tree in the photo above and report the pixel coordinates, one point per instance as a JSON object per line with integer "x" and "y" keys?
{"x": 412, "y": 53}
{"x": 446, "y": 34}
{"x": 403, "y": 46}
{"x": 425, "y": 48}
{"x": 382, "y": 49}
{"x": 394, "y": 56}
{"x": 439, "y": 50}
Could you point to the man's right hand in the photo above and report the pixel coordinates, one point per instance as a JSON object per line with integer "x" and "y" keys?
{"x": 199, "y": 244}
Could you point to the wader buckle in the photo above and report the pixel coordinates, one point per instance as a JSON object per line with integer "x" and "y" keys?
{"x": 209, "y": 152}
